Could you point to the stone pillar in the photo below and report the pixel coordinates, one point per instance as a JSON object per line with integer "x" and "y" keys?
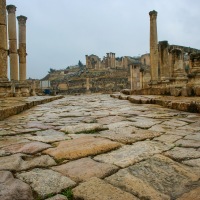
{"x": 86, "y": 56}
{"x": 22, "y": 47}
{"x": 3, "y": 42}
{"x": 14, "y": 74}
{"x": 153, "y": 47}
{"x": 113, "y": 60}
{"x": 164, "y": 60}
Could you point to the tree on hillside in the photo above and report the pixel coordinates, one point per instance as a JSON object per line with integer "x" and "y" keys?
{"x": 51, "y": 70}
{"x": 80, "y": 64}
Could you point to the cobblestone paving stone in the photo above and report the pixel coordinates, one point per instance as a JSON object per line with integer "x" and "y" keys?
{"x": 98, "y": 147}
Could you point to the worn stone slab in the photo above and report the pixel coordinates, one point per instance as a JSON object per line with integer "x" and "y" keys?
{"x": 167, "y": 138}
{"x": 19, "y": 162}
{"x": 100, "y": 190}
{"x": 129, "y": 138}
{"x": 6, "y": 132}
{"x": 85, "y": 168}
{"x": 192, "y": 195}
{"x": 12, "y": 188}
{"x": 116, "y": 125}
{"x": 194, "y": 136}
{"x": 26, "y": 147}
{"x": 81, "y": 147}
{"x": 39, "y": 125}
{"x": 144, "y": 123}
{"x": 192, "y": 162}
{"x": 161, "y": 128}
{"x": 6, "y": 141}
{"x": 48, "y": 136}
{"x": 45, "y": 181}
{"x": 175, "y": 122}
{"x": 188, "y": 143}
{"x": 136, "y": 186}
{"x": 110, "y": 119}
{"x": 179, "y": 153}
{"x": 129, "y": 155}
{"x": 156, "y": 178}
{"x": 58, "y": 197}
{"x": 83, "y": 128}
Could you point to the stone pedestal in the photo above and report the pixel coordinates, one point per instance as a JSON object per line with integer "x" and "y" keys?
{"x": 3, "y": 42}
{"x": 14, "y": 72}
{"x": 153, "y": 47}
{"x": 22, "y": 47}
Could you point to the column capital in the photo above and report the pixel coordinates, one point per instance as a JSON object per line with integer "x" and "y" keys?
{"x": 153, "y": 14}
{"x": 22, "y": 19}
{"x": 11, "y": 8}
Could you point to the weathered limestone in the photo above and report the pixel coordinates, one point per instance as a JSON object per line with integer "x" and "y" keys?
{"x": 19, "y": 162}
{"x": 3, "y": 42}
{"x": 129, "y": 155}
{"x": 100, "y": 190}
{"x": 81, "y": 147}
{"x": 22, "y": 47}
{"x": 45, "y": 181}
{"x": 153, "y": 46}
{"x": 12, "y": 43}
{"x": 74, "y": 169}
{"x": 156, "y": 178}
{"x": 11, "y": 188}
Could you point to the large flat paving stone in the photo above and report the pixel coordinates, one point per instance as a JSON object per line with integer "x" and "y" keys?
{"x": 81, "y": 147}
{"x": 13, "y": 189}
{"x": 179, "y": 153}
{"x": 129, "y": 137}
{"x": 110, "y": 119}
{"x": 85, "y": 168}
{"x": 6, "y": 141}
{"x": 157, "y": 178}
{"x": 19, "y": 162}
{"x": 83, "y": 128}
{"x": 192, "y": 162}
{"x": 188, "y": 143}
{"x": 45, "y": 181}
{"x": 194, "y": 136}
{"x": 175, "y": 123}
{"x": 26, "y": 147}
{"x": 192, "y": 195}
{"x": 128, "y": 155}
{"x": 97, "y": 189}
{"x": 168, "y": 138}
{"x": 48, "y": 136}
{"x": 144, "y": 123}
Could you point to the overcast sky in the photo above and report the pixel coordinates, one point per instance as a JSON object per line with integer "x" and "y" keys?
{"x": 62, "y": 32}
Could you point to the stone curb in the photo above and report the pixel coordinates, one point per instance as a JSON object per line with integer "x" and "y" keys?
{"x": 188, "y": 105}
{"x": 25, "y": 105}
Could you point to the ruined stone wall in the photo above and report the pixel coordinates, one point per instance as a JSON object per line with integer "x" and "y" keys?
{"x": 101, "y": 84}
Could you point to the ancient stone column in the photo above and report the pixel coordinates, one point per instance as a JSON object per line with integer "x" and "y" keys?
{"x": 3, "y": 42}
{"x": 164, "y": 60}
{"x": 14, "y": 74}
{"x": 113, "y": 57}
{"x": 153, "y": 47}
{"x": 22, "y": 47}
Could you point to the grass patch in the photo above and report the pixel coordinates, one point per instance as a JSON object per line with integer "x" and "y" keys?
{"x": 68, "y": 193}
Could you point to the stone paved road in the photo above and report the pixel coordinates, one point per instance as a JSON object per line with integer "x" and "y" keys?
{"x": 100, "y": 148}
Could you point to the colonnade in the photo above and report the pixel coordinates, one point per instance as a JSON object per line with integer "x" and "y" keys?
{"x": 16, "y": 55}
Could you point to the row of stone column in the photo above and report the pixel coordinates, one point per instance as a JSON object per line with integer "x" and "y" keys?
{"x": 17, "y": 71}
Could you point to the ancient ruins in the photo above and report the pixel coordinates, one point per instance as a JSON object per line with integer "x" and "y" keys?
{"x": 94, "y": 147}
{"x": 17, "y": 85}
{"x": 174, "y": 68}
